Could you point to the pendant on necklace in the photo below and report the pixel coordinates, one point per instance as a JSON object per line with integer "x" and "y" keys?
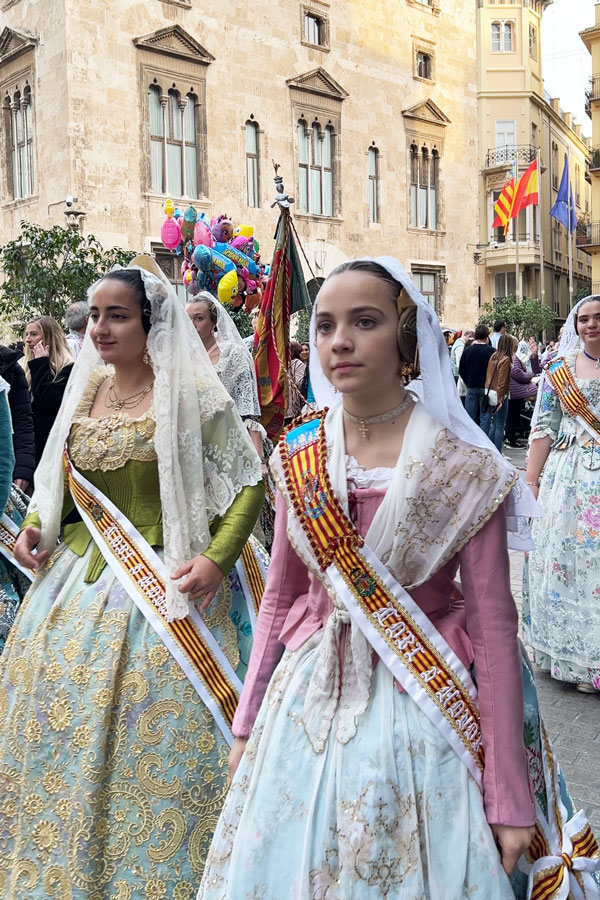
{"x": 364, "y": 429}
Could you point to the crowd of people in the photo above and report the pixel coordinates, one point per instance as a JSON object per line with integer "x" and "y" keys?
{"x": 150, "y": 656}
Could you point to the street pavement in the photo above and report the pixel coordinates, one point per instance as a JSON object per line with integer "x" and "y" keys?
{"x": 572, "y": 718}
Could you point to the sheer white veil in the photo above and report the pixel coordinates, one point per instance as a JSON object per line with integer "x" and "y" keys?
{"x": 204, "y": 454}
{"x": 569, "y": 341}
{"x": 437, "y": 391}
{"x": 226, "y": 331}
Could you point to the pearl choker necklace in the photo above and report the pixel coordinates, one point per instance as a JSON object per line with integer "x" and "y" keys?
{"x": 364, "y": 421}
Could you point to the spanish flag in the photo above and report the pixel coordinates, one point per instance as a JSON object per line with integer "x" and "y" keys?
{"x": 505, "y": 202}
{"x": 527, "y": 189}
{"x": 516, "y": 196}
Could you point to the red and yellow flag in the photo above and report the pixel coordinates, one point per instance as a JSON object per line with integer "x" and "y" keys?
{"x": 504, "y": 204}
{"x": 516, "y": 195}
{"x": 527, "y": 189}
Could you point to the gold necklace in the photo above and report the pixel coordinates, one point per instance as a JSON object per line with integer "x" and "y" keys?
{"x": 112, "y": 401}
{"x": 364, "y": 421}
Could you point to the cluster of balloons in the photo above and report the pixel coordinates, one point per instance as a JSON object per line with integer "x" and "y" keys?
{"x": 216, "y": 256}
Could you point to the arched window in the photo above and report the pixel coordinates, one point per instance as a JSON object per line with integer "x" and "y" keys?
{"x": 19, "y": 124}
{"x": 373, "y": 185}
{"x": 252, "y": 173}
{"x": 315, "y": 168}
{"x": 424, "y": 181}
{"x": 502, "y": 37}
{"x": 173, "y": 142}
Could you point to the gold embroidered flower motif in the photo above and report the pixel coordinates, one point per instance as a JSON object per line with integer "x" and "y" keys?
{"x": 53, "y": 782}
{"x": 183, "y": 891}
{"x": 63, "y": 808}
{"x": 81, "y": 737}
{"x": 102, "y": 826}
{"x": 54, "y": 671}
{"x": 102, "y": 697}
{"x": 60, "y": 713}
{"x": 71, "y": 650}
{"x": 80, "y": 674}
{"x": 10, "y": 807}
{"x": 205, "y": 742}
{"x": 158, "y": 655}
{"x": 45, "y": 837}
{"x": 32, "y": 732}
{"x": 155, "y": 889}
{"x": 33, "y": 804}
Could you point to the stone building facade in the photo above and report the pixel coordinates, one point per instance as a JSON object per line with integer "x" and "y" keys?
{"x": 590, "y": 236}
{"x": 369, "y": 108}
{"x": 517, "y": 121}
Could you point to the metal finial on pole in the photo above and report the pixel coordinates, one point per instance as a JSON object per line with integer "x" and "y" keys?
{"x": 282, "y": 200}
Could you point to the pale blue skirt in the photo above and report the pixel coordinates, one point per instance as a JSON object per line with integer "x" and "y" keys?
{"x": 393, "y": 813}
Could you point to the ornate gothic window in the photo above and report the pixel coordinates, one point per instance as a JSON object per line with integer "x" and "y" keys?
{"x": 424, "y": 187}
{"x": 18, "y": 117}
{"x": 315, "y": 168}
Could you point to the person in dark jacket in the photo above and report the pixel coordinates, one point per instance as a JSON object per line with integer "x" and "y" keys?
{"x": 473, "y": 369}
{"x": 21, "y": 415}
{"x": 48, "y": 364}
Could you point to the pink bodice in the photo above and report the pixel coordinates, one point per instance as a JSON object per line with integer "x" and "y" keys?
{"x": 478, "y": 620}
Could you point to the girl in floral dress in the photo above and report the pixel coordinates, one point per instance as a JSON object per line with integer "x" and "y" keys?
{"x": 561, "y": 591}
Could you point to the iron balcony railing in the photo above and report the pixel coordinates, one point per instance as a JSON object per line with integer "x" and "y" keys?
{"x": 595, "y": 160}
{"x": 594, "y": 91}
{"x": 588, "y": 235}
{"x": 499, "y": 156}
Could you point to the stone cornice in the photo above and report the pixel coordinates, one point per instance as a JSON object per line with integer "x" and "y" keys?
{"x": 174, "y": 41}
{"x": 318, "y": 81}
{"x": 13, "y": 43}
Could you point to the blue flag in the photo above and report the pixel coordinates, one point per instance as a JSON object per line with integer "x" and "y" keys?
{"x": 560, "y": 210}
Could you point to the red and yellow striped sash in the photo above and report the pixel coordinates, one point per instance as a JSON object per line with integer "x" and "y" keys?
{"x": 150, "y": 585}
{"x": 571, "y": 397}
{"x": 336, "y": 542}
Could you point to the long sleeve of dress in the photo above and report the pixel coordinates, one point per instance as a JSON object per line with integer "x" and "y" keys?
{"x": 492, "y": 625}
{"x": 7, "y": 456}
{"x": 235, "y": 526}
{"x": 288, "y": 578}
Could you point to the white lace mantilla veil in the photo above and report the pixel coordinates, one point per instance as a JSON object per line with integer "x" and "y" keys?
{"x": 205, "y": 456}
{"x": 569, "y": 341}
{"x": 436, "y": 389}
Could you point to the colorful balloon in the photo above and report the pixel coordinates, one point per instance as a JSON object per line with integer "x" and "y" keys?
{"x": 169, "y": 208}
{"x": 170, "y": 233}
{"x": 188, "y": 223}
{"x": 202, "y": 234}
{"x": 236, "y": 256}
{"x": 221, "y": 228}
{"x": 228, "y": 287}
{"x": 245, "y": 230}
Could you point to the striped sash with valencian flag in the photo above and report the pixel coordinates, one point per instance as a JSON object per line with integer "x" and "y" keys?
{"x": 572, "y": 399}
{"x": 142, "y": 573}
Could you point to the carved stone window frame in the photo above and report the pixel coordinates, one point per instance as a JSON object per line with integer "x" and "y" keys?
{"x": 422, "y": 45}
{"x": 186, "y": 4}
{"x": 433, "y": 7}
{"x": 317, "y": 97}
{"x": 17, "y": 75}
{"x": 318, "y": 9}
{"x": 425, "y": 125}
{"x": 173, "y": 60}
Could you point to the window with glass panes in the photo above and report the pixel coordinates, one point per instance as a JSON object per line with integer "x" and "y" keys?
{"x": 19, "y": 123}
{"x": 252, "y": 163}
{"x": 315, "y": 168}
{"x": 502, "y": 37}
{"x": 314, "y": 29}
{"x": 173, "y": 143}
{"x": 427, "y": 284}
{"x": 424, "y": 179}
{"x": 373, "y": 185}
{"x": 505, "y": 284}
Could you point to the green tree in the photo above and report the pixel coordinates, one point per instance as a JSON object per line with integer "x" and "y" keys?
{"x": 302, "y": 321}
{"x": 242, "y": 320}
{"x": 523, "y": 319}
{"x": 45, "y": 269}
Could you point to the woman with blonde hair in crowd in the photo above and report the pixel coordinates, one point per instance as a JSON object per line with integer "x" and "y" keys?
{"x": 498, "y": 379}
{"x": 48, "y": 364}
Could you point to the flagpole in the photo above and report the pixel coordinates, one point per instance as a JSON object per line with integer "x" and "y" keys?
{"x": 541, "y": 225}
{"x": 517, "y": 280}
{"x": 569, "y": 232}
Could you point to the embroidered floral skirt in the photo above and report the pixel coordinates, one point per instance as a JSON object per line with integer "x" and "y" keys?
{"x": 13, "y": 584}
{"x": 112, "y": 771}
{"x": 561, "y": 583}
{"x": 392, "y": 813}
